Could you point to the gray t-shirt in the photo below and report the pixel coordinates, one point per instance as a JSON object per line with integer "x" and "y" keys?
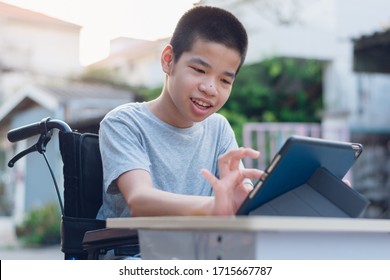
{"x": 131, "y": 137}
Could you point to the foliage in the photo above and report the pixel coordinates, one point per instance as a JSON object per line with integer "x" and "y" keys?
{"x": 149, "y": 93}
{"x": 41, "y": 226}
{"x": 276, "y": 90}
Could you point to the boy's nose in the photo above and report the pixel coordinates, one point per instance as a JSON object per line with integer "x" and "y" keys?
{"x": 208, "y": 88}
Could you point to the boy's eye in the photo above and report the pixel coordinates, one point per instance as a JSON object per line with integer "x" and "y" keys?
{"x": 197, "y": 69}
{"x": 226, "y": 82}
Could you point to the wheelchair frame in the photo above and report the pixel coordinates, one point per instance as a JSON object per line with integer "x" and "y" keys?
{"x": 82, "y": 235}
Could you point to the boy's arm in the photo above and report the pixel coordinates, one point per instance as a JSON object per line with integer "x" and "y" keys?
{"x": 145, "y": 200}
{"x": 230, "y": 190}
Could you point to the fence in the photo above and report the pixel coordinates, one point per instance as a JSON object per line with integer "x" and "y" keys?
{"x": 269, "y": 137}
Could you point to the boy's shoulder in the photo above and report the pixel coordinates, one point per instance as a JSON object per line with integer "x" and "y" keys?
{"x": 126, "y": 109}
{"x": 125, "y": 114}
{"x": 217, "y": 117}
{"x": 218, "y": 121}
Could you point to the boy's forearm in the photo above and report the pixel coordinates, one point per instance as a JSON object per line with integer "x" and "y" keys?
{"x": 145, "y": 200}
{"x": 154, "y": 202}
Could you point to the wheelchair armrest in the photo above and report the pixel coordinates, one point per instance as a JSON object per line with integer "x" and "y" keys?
{"x": 97, "y": 242}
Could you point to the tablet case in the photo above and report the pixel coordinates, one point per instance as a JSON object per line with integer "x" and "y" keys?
{"x": 305, "y": 179}
{"x": 323, "y": 195}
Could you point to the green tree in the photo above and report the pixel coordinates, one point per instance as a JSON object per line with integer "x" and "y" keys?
{"x": 276, "y": 90}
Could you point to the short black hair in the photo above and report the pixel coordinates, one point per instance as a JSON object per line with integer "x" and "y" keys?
{"x": 210, "y": 24}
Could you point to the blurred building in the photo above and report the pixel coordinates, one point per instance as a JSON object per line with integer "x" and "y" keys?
{"x": 133, "y": 62}
{"x": 39, "y": 66}
{"x": 34, "y": 47}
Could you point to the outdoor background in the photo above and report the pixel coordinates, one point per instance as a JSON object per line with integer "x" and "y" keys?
{"x": 314, "y": 67}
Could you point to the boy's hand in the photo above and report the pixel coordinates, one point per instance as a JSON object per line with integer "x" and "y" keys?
{"x": 230, "y": 190}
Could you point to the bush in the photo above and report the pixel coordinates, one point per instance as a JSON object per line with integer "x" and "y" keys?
{"x": 41, "y": 227}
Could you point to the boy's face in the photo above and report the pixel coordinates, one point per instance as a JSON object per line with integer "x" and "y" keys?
{"x": 200, "y": 82}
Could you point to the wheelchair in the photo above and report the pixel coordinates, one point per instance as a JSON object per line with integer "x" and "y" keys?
{"x": 82, "y": 235}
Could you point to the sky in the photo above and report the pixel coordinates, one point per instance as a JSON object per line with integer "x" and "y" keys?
{"x": 103, "y": 20}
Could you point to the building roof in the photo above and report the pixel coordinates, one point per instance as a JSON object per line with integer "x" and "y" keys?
{"x": 137, "y": 49}
{"x": 86, "y": 91}
{"x": 372, "y": 53}
{"x": 81, "y": 102}
{"x": 16, "y": 13}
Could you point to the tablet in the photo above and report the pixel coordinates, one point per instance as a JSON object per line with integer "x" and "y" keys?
{"x": 295, "y": 163}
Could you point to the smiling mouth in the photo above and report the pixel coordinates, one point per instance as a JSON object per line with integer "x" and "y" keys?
{"x": 201, "y": 103}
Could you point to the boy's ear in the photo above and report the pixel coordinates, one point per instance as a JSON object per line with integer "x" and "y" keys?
{"x": 167, "y": 59}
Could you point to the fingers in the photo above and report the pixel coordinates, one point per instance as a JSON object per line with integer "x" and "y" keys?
{"x": 229, "y": 164}
{"x": 209, "y": 177}
{"x": 251, "y": 173}
{"x": 241, "y": 153}
{"x": 231, "y": 160}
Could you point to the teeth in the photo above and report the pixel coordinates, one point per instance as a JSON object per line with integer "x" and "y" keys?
{"x": 201, "y": 103}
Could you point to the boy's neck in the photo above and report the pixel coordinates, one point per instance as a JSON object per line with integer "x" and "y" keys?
{"x": 165, "y": 111}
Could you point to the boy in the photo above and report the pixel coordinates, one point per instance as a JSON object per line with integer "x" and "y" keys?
{"x": 175, "y": 155}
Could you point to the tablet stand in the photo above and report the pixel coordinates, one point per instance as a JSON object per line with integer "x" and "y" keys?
{"x": 323, "y": 195}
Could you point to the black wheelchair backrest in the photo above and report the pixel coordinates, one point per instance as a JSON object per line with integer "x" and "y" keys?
{"x": 83, "y": 175}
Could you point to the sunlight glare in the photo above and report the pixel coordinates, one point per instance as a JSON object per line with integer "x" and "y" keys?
{"x": 104, "y": 20}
